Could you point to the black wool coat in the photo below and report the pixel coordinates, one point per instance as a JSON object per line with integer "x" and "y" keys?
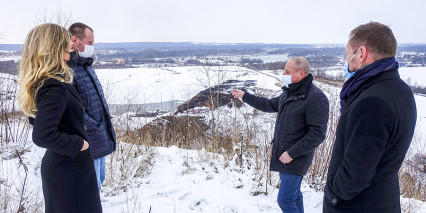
{"x": 373, "y": 136}
{"x": 300, "y": 126}
{"x": 68, "y": 174}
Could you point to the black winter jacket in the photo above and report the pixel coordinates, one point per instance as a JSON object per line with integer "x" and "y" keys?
{"x": 373, "y": 136}
{"x": 97, "y": 117}
{"x": 68, "y": 174}
{"x": 300, "y": 126}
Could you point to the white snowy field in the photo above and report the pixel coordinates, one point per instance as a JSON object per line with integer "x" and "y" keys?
{"x": 11, "y": 57}
{"x": 198, "y": 181}
{"x": 414, "y": 76}
{"x": 264, "y": 58}
{"x": 154, "y": 85}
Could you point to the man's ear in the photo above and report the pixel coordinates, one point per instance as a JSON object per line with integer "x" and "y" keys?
{"x": 364, "y": 53}
{"x": 74, "y": 42}
{"x": 302, "y": 74}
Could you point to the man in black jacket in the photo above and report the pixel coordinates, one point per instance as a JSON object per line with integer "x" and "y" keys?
{"x": 378, "y": 116}
{"x": 99, "y": 128}
{"x": 300, "y": 127}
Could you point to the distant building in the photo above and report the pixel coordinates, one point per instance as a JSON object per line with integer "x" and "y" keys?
{"x": 118, "y": 61}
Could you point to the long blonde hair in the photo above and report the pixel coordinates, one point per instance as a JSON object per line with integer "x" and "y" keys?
{"x": 42, "y": 58}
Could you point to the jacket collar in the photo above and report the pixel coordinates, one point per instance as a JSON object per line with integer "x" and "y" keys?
{"x": 301, "y": 87}
{"x": 84, "y": 61}
{"x": 296, "y": 91}
{"x": 391, "y": 74}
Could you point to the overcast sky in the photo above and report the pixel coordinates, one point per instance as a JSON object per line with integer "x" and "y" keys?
{"x": 222, "y": 21}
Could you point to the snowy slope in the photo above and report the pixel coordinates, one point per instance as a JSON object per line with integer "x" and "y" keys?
{"x": 198, "y": 181}
{"x": 153, "y": 85}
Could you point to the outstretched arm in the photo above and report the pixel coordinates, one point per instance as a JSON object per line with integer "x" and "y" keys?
{"x": 263, "y": 104}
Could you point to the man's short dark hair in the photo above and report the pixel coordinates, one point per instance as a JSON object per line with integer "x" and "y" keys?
{"x": 77, "y": 29}
{"x": 377, "y": 37}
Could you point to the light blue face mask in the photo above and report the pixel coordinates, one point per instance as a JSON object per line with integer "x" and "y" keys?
{"x": 286, "y": 79}
{"x": 346, "y": 71}
{"x": 348, "y": 74}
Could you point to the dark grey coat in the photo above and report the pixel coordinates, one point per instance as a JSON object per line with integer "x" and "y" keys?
{"x": 300, "y": 126}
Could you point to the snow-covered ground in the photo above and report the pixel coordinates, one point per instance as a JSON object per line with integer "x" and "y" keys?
{"x": 414, "y": 76}
{"x": 154, "y": 85}
{"x": 198, "y": 181}
{"x": 264, "y": 58}
{"x": 10, "y": 57}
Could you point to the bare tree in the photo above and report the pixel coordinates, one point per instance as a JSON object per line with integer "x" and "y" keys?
{"x": 58, "y": 17}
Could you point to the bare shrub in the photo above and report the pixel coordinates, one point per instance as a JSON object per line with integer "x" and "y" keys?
{"x": 183, "y": 131}
{"x": 261, "y": 155}
{"x": 126, "y": 165}
{"x": 15, "y": 195}
{"x": 412, "y": 175}
{"x": 317, "y": 173}
{"x": 14, "y": 127}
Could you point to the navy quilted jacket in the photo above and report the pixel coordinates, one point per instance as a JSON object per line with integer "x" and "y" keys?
{"x": 98, "y": 119}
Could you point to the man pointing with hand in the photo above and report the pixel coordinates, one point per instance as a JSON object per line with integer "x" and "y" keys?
{"x": 300, "y": 127}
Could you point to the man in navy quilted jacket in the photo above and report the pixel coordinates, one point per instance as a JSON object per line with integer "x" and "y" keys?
{"x": 98, "y": 119}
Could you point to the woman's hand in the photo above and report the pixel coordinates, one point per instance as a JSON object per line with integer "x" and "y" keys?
{"x": 85, "y": 145}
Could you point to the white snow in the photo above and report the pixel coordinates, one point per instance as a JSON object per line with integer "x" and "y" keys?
{"x": 198, "y": 181}
{"x": 11, "y": 57}
{"x": 263, "y": 57}
{"x": 154, "y": 85}
{"x": 414, "y": 76}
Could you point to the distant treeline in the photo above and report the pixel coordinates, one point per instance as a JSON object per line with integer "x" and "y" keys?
{"x": 9, "y": 67}
{"x": 152, "y": 53}
{"x": 319, "y": 58}
{"x": 408, "y": 59}
{"x": 257, "y": 64}
{"x": 419, "y": 89}
{"x": 188, "y": 54}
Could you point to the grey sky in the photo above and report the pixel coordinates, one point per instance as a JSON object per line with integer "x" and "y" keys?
{"x": 230, "y": 21}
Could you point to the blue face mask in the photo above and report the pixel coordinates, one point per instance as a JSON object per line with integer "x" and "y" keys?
{"x": 346, "y": 71}
{"x": 348, "y": 74}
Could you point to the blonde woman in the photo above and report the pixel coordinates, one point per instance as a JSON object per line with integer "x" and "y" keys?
{"x": 56, "y": 112}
